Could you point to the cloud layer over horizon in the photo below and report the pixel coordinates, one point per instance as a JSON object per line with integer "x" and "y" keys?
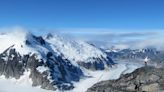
{"x": 134, "y": 39}
{"x": 105, "y": 38}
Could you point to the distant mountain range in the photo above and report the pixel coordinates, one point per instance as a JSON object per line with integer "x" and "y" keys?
{"x": 54, "y": 62}
{"x": 137, "y": 55}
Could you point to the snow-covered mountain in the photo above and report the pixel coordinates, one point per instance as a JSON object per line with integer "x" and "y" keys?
{"x": 80, "y": 52}
{"x": 53, "y": 61}
{"x": 137, "y": 55}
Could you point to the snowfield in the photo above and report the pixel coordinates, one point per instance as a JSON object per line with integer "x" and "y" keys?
{"x": 75, "y": 51}
{"x": 112, "y": 73}
{"x": 21, "y": 85}
{"x": 24, "y": 84}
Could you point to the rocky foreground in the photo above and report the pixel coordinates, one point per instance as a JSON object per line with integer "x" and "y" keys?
{"x": 145, "y": 79}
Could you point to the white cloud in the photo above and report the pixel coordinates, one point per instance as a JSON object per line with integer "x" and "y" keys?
{"x": 105, "y": 37}
{"x": 120, "y": 38}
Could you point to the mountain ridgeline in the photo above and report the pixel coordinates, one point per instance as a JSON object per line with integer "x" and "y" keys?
{"x": 53, "y": 62}
{"x": 144, "y": 79}
{"x": 138, "y": 55}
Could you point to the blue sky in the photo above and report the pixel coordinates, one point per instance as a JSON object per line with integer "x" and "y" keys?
{"x": 111, "y": 14}
{"x": 125, "y": 23}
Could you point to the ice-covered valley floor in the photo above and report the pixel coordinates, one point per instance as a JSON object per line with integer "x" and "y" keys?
{"x": 24, "y": 84}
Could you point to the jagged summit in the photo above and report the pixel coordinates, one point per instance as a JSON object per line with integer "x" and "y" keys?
{"x": 54, "y": 62}
{"x": 27, "y": 52}
{"x": 79, "y": 52}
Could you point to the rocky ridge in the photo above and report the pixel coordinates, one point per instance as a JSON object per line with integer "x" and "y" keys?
{"x": 145, "y": 79}
{"x": 52, "y": 64}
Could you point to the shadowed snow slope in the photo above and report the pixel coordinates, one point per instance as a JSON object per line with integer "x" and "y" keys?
{"x": 80, "y": 52}
{"x": 24, "y": 83}
{"x": 75, "y": 50}
{"x": 53, "y": 62}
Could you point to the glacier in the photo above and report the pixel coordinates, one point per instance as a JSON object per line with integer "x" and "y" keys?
{"x": 52, "y": 61}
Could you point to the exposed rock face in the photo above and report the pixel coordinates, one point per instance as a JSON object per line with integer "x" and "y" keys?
{"x": 151, "y": 53}
{"x": 59, "y": 74}
{"x": 145, "y": 79}
{"x": 9, "y": 65}
{"x": 51, "y": 63}
{"x": 98, "y": 64}
{"x": 84, "y": 54}
{"x": 134, "y": 54}
{"x": 40, "y": 40}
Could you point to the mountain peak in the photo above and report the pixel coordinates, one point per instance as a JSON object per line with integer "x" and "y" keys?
{"x": 54, "y": 61}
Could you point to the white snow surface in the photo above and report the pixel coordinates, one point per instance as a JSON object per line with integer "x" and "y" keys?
{"x": 42, "y": 69}
{"x": 24, "y": 83}
{"x": 77, "y": 51}
{"x": 21, "y": 85}
{"x": 73, "y": 50}
{"x": 97, "y": 76}
{"x": 17, "y": 38}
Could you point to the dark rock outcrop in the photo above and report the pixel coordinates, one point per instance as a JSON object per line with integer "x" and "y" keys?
{"x": 97, "y": 63}
{"x": 47, "y": 65}
{"x": 151, "y": 53}
{"x": 39, "y": 39}
{"x": 145, "y": 79}
{"x": 59, "y": 74}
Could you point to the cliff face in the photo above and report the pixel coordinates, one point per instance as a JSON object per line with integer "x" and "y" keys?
{"x": 53, "y": 62}
{"x": 50, "y": 74}
{"x": 145, "y": 79}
